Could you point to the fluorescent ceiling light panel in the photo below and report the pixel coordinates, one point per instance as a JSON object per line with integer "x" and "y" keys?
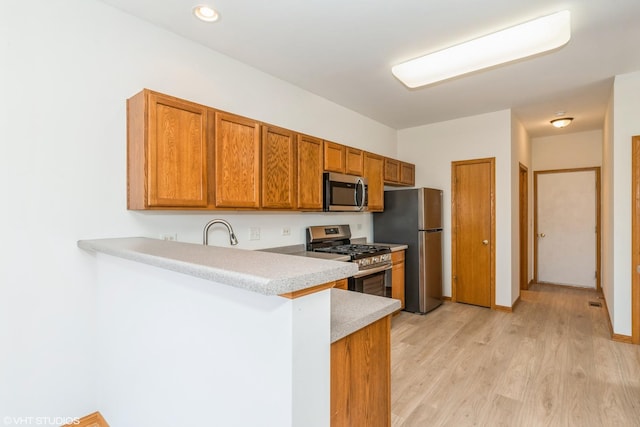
{"x": 520, "y": 41}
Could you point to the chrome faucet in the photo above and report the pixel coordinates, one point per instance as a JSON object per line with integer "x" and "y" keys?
{"x": 205, "y": 235}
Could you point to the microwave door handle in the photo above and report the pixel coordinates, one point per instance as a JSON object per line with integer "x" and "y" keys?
{"x": 361, "y": 205}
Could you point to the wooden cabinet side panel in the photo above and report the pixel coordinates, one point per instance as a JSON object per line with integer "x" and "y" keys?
{"x": 309, "y": 173}
{"x": 354, "y": 160}
{"x": 278, "y": 168}
{"x": 237, "y": 156}
{"x": 361, "y": 377}
{"x": 136, "y": 148}
{"x": 334, "y": 157}
{"x": 373, "y": 171}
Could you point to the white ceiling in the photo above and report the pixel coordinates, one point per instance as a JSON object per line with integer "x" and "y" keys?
{"x": 343, "y": 50}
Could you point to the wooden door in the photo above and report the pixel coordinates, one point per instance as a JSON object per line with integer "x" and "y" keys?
{"x": 309, "y": 164}
{"x": 566, "y": 224}
{"x": 523, "y": 217}
{"x": 374, "y": 172}
{"x": 177, "y": 152}
{"x": 473, "y": 232}
{"x": 237, "y": 159}
{"x": 278, "y": 168}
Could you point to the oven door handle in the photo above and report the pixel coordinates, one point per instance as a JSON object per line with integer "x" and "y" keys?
{"x": 368, "y": 271}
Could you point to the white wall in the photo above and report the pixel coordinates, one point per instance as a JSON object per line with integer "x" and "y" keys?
{"x": 607, "y": 273}
{"x": 175, "y": 350}
{"x": 626, "y": 110}
{"x": 68, "y": 68}
{"x": 568, "y": 150}
{"x": 433, "y": 147}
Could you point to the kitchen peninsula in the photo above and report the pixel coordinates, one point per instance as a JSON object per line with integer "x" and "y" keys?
{"x": 190, "y": 334}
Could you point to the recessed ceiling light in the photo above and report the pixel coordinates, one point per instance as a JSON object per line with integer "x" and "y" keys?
{"x": 206, "y": 13}
{"x": 520, "y": 41}
{"x": 561, "y": 123}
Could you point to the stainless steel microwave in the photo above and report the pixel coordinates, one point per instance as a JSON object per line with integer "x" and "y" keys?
{"x": 344, "y": 193}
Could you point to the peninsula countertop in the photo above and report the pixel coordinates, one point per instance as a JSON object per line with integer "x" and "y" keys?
{"x": 257, "y": 271}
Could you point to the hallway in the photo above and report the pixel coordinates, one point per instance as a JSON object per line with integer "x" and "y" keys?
{"x": 551, "y": 362}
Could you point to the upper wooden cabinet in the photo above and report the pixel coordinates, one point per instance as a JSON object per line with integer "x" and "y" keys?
{"x": 373, "y": 171}
{"x": 166, "y": 152}
{"x": 309, "y": 164}
{"x": 183, "y": 155}
{"x": 237, "y": 161}
{"x": 391, "y": 170}
{"x": 334, "y": 157}
{"x": 354, "y": 161}
{"x": 278, "y": 153}
{"x": 398, "y": 173}
{"x": 407, "y": 174}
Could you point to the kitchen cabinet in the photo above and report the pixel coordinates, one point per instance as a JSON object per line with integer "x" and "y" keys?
{"x": 187, "y": 156}
{"x": 398, "y": 173}
{"x": 374, "y": 172}
{"x": 167, "y": 143}
{"x": 334, "y": 157}
{"x": 237, "y": 161}
{"x": 361, "y": 377}
{"x": 309, "y": 173}
{"x": 342, "y": 284}
{"x": 354, "y": 161}
{"x": 397, "y": 276}
{"x": 278, "y": 154}
{"x": 391, "y": 170}
{"x": 407, "y": 174}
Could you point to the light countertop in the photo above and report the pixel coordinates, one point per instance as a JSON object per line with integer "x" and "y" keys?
{"x": 351, "y": 311}
{"x": 262, "y": 272}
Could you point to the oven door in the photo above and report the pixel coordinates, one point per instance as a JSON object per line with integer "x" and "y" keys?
{"x": 373, "y": 281}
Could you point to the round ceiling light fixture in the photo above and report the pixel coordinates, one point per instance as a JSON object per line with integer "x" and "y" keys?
{"x": 206, "y": 13}
{"x": 561, "y": 122}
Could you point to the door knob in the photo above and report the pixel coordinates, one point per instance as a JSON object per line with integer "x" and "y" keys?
{"x": 542, "y": 235}
{"x": 485, "y": 242}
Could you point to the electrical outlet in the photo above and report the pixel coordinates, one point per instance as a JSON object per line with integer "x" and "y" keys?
{"x": 254, "y": 233}
{"x": 286, "y": 231}
{"x": 169, "y": 236}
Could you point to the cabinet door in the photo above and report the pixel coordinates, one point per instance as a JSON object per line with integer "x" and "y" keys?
{"x": 407, "y": 174}
{"x": 278, "y": 168}
{"x": 397, "y": 277}
{"x": 354, "y": 161}
{"x": 373, "y": 171}
{"x": 237, "y": 157}
{"x": 176, "y": 152}
{"x": 334, "y": 157}
{"x": 309, "y": 153}
{"x": 361, "y": 377}
{"x": 391, "y": 170}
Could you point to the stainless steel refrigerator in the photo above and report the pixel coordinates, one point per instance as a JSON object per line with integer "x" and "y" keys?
{"x": 414, "y": 217}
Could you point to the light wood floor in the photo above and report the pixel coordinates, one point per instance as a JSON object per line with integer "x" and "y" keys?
{"x": 549, "y": 363}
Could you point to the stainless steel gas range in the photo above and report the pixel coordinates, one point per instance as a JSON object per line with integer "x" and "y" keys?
{"x": 374, "y": 261}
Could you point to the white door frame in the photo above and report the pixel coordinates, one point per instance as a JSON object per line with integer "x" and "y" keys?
{"x": 535, "y": 218}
